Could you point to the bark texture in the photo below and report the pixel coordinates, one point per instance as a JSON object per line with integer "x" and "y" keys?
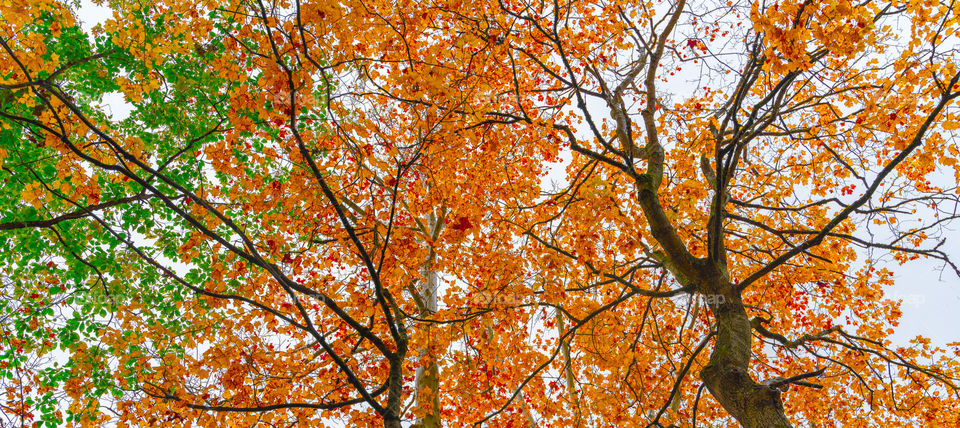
{"x": 727, "y": 377}
{"x": 428, "y": 376}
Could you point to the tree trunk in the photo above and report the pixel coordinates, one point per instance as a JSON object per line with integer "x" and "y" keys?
{"x": 428, "y": 376}
{"x": 727, "y": 377}
{"x": 568, "y": 369}
{"x": 391, "y": 416}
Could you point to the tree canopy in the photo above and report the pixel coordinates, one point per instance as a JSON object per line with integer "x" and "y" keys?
{"x": 490, "y": 213}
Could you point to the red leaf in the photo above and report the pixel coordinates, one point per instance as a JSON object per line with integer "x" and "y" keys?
{"x": 462, "y": 223}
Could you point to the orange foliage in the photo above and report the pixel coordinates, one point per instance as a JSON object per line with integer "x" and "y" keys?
{"x": 450, "y": 213}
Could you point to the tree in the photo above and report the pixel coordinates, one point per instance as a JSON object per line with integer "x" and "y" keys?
{"x": 326, "y": 211}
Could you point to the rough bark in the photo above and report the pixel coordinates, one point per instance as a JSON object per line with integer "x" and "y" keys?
{"x": 391, "y": 417}
{"x": 726, "y": 374}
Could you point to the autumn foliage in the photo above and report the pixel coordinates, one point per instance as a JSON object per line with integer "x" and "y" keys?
{"x": 491, "y": 213}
